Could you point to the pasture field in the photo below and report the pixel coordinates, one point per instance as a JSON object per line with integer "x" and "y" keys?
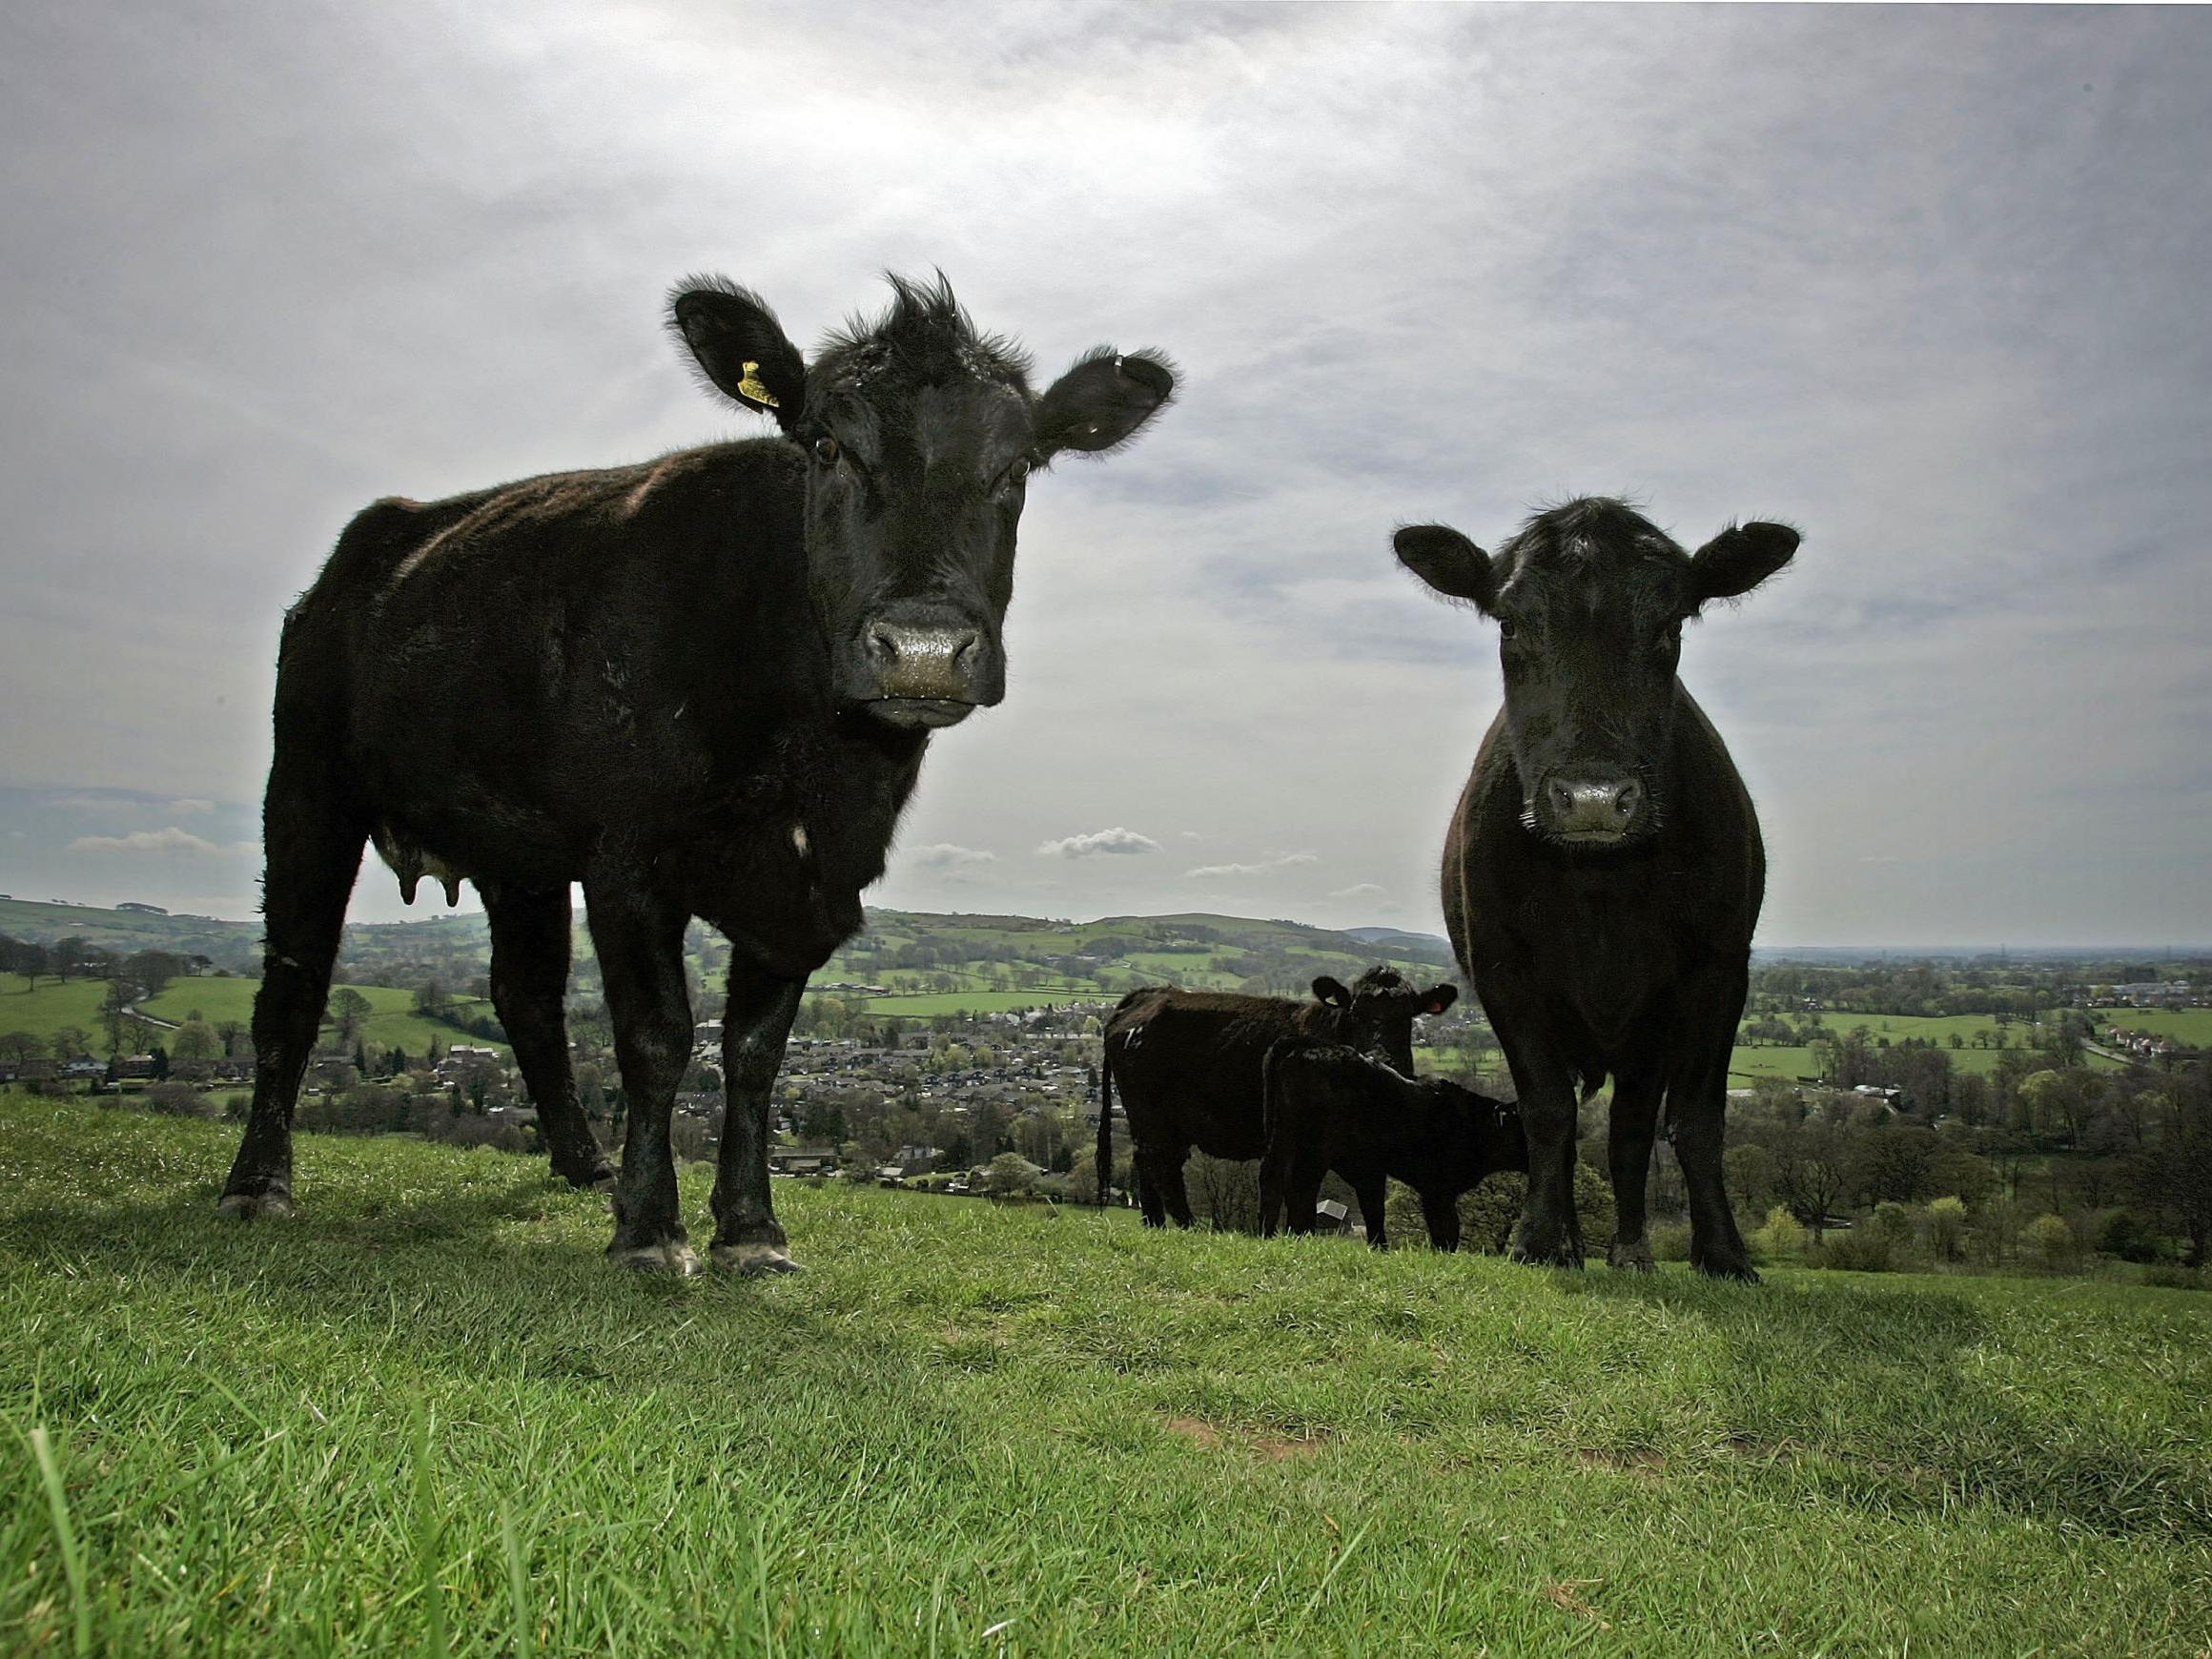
{"x": 921, "y": 1004}
{"x": 51, "y": 1007}
{"x": 2192, "y": 1026}
{"x": 393, "y": 1020}
{"x": 57, "y": 1007}
{"x": 425, "y": 1416}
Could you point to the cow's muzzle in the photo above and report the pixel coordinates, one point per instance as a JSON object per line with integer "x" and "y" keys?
{"x": 926, "y": 673}
{"x": 1592, "y": 808}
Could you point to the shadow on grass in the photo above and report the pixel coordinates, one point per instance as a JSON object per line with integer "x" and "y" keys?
{"x": 1867, "y": 1392}
{"x": 448, "y": 1275}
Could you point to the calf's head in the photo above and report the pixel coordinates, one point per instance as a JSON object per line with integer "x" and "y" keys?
{"x": 1376, "y": 1013}
{"x": 1589, "y": 599}
{"x": 920, "y": 435}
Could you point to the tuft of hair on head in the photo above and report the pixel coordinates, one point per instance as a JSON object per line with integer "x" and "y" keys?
{"x": 1380, "y": 977}
{"x": 926, "y": 324}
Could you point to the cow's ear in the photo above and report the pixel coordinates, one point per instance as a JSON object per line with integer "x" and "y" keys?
{"x": 1438, "y": 998}
{"x": 1739, "y": 558}
{"x": 1446, "y": 560}
{"x": 1103, "y": 401}
{"x": 739, "y": 345}
{"x": 1329, "y": 991}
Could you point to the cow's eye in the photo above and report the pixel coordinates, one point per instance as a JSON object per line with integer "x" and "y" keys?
{"x": 1506, "y": 630}
{"x": 1017, "y": 474}
{"x": 826, "y": 450}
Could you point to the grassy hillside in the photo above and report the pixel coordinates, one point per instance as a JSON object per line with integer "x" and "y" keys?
{"x": 426, "y": 1414}
{"x": 394, "y": 1020}
{"x": 54, "y": 1007}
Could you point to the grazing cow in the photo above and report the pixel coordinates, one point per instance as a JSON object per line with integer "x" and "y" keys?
{"x": 1188, "y": 1063}
{"x": 1603, "y": 870}
{"x": 1333, "y": 1108}
{"x": 701, "y": 686}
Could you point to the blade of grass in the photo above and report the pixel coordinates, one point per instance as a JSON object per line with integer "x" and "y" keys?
{"x": 73, "y": 1560}
{"x": 518, "y": 1583}
{"x": 426, "y": 1535}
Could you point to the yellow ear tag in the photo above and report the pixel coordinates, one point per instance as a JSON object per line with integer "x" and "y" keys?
{"x": 751, "y": 387}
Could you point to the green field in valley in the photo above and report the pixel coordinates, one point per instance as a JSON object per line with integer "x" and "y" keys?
{"x": 926, "y": 1003}
{"x": 425, "y": 1415}
{"x": 52, "y": 1007}
{"x": 2191, "y": 1026}
{"x": 55, "y": 1007}
{"x": 393, "y": 1021}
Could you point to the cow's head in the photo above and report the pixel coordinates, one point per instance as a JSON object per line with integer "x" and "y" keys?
{"x": 1376, "y": 1015}
{"x": 1589, "y": 600}
{"x": 920, "y": 435}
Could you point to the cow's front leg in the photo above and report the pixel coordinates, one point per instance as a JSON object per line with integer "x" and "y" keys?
{"x": 639, "y": 936}
{"x": 1440, "y": 1208}
{"x": 1549, "y": 1233}
{"x": 1633, "y": 1123}
{"x": 754, "y": 1028}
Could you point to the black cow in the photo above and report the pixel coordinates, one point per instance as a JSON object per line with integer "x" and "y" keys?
{"x": 1188, "y": 1063}
{"x": 1604, "y": 869}
{"x": 1333, "y": 1108}
{"x": 701, "y": 687}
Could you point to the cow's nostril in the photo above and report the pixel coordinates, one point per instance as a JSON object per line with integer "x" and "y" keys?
{"x": 964, "y": 654}
{"x": 1630, "y": 797}
{"x": 883, "y": 645}
{"x": 1562, "y": 797}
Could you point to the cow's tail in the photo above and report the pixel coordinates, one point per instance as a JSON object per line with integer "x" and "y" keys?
{"x": 1105, "y": 1121}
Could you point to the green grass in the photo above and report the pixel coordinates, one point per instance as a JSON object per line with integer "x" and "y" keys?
{"x": 393, "y": 1020}
{"x": 2187, "y": 1025}
{"x": 927, "y": 1003}
{"x": 425, "y": 1414}
{"x": 52, "y": 1007}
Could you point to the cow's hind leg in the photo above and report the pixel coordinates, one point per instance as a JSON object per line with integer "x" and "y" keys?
{"x": 1166, "y": 1197}
{"x": 312, "y": 842}
{"x": 530, "y": 949}
{"x": 640, "y": 940}
{"x": 1630, "y": 1131}
{"x": 754, "y": 1028}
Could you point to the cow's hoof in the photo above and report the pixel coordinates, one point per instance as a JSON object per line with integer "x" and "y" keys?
{"x": 754, "y": 1259}
{"x": 1634, "y": 1258}
{"x": 251, "y": 1206}
{"x": 597, "y": 1178}
{"x": 672, "y": 1257}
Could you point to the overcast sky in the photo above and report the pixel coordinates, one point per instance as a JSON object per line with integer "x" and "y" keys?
{"x": 1931, "y": 284}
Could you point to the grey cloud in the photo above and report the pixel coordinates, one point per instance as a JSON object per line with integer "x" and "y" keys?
{"x": 947, "y": 854}
{"x": 170, "y": 842}
{"x": 1269, "y": 863}
{"x": 1099, "y": 841}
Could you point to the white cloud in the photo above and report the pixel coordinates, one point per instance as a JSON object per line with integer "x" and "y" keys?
{"x": 947, "y": 855}
{"x": 191, "y": 804}
{"x": 1116, "y": 840}
{"x": 1365, "y": 889}
{"x": 168, "y": 843}
{"x": 1269, "y": 863}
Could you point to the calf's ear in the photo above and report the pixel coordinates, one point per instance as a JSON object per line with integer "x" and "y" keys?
{"x": 1329, "y": 991}
{"x": 1103, "y": 401}
{"x": 740, "y": 346}
{"x": 1446, "y": 560}
{"x": 1438, "y": 998}
{"x": 1739, "y": 558}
